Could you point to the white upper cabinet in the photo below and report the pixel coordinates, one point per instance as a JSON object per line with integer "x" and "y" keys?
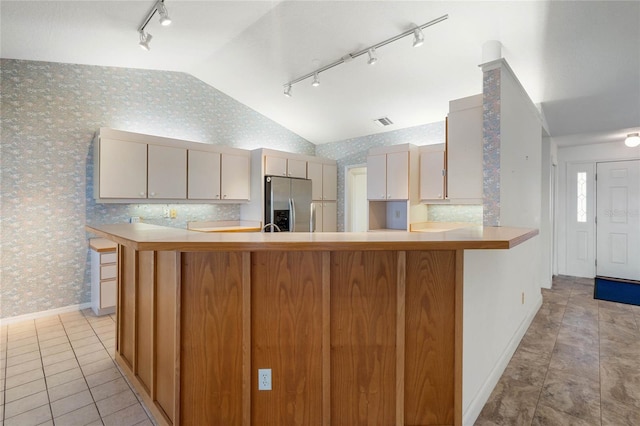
{"x": 296, "y": 168}
{"x": 133, "y": 168}
{"x": 167, "y": 172}
{"x": 432, "y": 172}
{"x": 388, "y": 176}
{"x": 282, "y": 166}
{"x": 204, "y": 175}
{"x": 464, "y": 150}
{"x": 235, "y": 182}
{"x": 122, "y": 169}
{"x": 324, "y": 180}
{"x": 377, "y": 177}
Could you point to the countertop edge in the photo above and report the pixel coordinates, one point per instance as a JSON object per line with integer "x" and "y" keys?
{"x": 456, "y": 241}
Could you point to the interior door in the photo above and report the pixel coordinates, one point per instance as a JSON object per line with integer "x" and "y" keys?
{"x": 581, "y": 256}
{"x": 618, "y": 223}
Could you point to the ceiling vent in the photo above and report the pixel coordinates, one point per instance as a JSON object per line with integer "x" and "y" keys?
{"x": 383, "y": 122}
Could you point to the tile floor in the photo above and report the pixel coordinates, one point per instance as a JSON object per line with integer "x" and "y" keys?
{"x": 60, "y": 370}
{"x": 578, "y": 364}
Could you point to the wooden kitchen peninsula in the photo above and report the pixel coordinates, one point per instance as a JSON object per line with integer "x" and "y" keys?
{"x": 357, "y": 328}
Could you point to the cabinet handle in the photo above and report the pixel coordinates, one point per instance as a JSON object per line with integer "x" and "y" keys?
{"x": 224, "y": 196}
{"x": 388, "y": 196}
{"x": 152, "y": 194}
{"x": 382, "y": 196}
{"x": 142, "y": 194}
{"x": 217, "y": 196}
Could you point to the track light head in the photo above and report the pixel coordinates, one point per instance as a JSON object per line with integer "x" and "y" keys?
{"x": 287, "y": 90}
{"x": 145, "y": 38}
{"x": 632, "y": 140}
{"x": 372, "y": 56}
{"x": 316, "y": 81}
{"x": 418, "y": 37}
{"x": 164, "y": 15}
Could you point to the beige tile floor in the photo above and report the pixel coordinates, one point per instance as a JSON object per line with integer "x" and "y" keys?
{"x": 60, "y": 370}
{"x": 578, "y": 364}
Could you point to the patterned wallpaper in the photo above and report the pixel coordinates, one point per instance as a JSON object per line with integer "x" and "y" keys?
{"x": 491, "y": 146}
{"x": 49, "y": 114}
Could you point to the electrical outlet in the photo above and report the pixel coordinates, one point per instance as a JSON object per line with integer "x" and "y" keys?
{"x": 173, "y": 213}
{"x": 165, "y": 212}
{"x": 134, "y": 219}
{"x": 397, "y": 214}
{"x": 264, "y": 379}
{"x": 523, "y": 297}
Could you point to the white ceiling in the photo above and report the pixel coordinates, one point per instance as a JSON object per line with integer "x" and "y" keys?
{"x": 579, "y": 59}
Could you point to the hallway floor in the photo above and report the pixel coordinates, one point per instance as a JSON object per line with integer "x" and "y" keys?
{"x": 578, "y": 364}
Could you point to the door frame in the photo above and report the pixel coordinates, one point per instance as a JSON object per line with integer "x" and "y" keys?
{"x": 349, "y": 172}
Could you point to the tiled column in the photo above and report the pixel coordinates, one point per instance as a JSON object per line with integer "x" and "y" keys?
{"x": 491, "y": 143}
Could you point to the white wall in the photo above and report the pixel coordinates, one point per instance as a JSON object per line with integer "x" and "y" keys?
{"x": 585, "y": 153}
{"x": 495, "y": 281}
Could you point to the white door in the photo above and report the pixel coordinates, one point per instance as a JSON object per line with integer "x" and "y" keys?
{"x": 618, "y": 223}
{"x": 581, "y": 256}
{"x": 356, "y": 199}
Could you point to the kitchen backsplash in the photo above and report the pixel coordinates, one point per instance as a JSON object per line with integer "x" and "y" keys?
{"x": 50, "y": 112}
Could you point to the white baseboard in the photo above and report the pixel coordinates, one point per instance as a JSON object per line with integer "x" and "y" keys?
{"x": 471, "y": 414}
{"x": 42, "y": 314}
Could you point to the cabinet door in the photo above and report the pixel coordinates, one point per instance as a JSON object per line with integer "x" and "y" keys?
{"x": 329, "y": 182}
{"x": 377, "y": 177}
{"x": 204, "y": 175}
{"x": 275, "y": 166}
{"x": 296, "y": 168}
{"x": 167, "y": 175}
{"x": 432, "y": 175}
{"x": 314, "y": 172}
{"x": 397, "y": 176}
{"x": 464, "y": 145}
{"x": 236, "y": 177}
{"x": 123, "y": 169}
{"x": 319, "y": 212}
{"x": 329, "y": 216}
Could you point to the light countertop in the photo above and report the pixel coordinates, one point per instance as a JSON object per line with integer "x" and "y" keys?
{"x": 141, "y": 236}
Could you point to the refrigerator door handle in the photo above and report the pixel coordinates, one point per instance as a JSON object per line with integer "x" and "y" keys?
{"x": 292, "y": 219}
{"x": 312, "y": 219}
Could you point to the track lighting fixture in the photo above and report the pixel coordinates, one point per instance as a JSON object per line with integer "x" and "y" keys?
{"x": 164, "y": 15}
{"x": 418, "y": 37}
{"x": 418, "y": 40}
{"x": 632, "y": 140}
{"x": 372, "y": 56}
{"x": 145, "y": 37}
{"x": 316, "y": 81}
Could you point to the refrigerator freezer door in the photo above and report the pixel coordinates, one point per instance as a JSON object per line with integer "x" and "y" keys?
{"x": 301, "y": 196}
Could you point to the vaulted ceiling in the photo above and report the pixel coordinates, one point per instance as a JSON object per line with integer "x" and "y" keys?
{"x": 580, "y": 60}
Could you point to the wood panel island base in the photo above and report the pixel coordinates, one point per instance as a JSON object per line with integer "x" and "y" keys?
{"x": 357, "y": 328}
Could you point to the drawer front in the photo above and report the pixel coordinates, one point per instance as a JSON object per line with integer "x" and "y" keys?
{"x": 108, "y": 272}
{"x": 110, "y": 257}
{"x": 107, "y": 294}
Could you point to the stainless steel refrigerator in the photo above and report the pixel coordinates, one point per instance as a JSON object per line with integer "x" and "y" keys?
{"x": 288, "y": 206}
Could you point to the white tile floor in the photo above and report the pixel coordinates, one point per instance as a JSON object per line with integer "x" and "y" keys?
{"x": 59, "y": 370}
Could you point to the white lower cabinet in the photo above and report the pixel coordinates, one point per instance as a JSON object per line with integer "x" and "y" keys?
{"x": 326, "y": 216}
{"x": 104, "y": 275}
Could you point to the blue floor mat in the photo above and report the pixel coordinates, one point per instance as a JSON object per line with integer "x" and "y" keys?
{"x": 613, "y": 290}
